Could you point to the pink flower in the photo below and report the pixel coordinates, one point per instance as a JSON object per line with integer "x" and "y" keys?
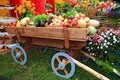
{"x": 100, "y": 39}
{"x": 95, "y": 37}
{"x": 116, "y": 32}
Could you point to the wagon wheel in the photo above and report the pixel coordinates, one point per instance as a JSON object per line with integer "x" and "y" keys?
{"x": 63, "y": 65}
{"x": 19, "y": 55}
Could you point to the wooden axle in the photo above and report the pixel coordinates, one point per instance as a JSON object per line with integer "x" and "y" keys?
{"x": 88, "y": 69}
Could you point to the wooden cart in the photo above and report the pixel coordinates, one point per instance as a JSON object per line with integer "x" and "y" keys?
{"x": 71, "y": 39}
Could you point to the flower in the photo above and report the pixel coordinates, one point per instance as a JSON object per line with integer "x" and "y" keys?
{"x": 116, "y": 32}
{"x": 61, "y": 2}
{"x": 106, "y": 44}
{"x": 27, "y": 9}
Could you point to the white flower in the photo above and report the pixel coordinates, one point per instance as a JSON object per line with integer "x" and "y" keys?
{"x": 106, "y": 46}
{"x": 108, "y": 43}
{"x": 101, "y": 47}
{"x": 106, "y": 52}
{"x": 108, "y": 37}
{"x": 90, "y": 42}
{"x": 105, "y": 36}
{"x": 98, "y": 47}
{"x": 111, "y": 34}
{"x": 105, "y": 41}
{"x": 91, "y": 47}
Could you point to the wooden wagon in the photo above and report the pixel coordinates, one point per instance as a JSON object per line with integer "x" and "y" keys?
{"x": 70, "y": 39}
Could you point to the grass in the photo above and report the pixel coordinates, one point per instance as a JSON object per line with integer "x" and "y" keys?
{"x": 38, "y": 67}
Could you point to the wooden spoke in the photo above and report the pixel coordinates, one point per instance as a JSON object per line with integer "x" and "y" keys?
{"x": 21, "y": 59}
{"x": 58, "y": 59}
{"x": 65, "y": 61}
{"x": 20, "y": 52}
{"x": 16, "y": 50}
{"x": 57, "y": 68}
{"x": 65, "y": 71}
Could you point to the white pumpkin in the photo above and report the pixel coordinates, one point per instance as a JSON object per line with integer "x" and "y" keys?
{"x": 94, "y": 23}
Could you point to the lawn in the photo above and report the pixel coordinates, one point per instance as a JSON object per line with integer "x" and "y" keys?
{"x": 38, "y": 67}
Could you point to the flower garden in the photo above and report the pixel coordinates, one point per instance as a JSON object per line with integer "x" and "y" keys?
{"x": 87, "y": 30}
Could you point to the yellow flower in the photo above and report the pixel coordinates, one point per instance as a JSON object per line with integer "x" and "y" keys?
{"x": 23, "y": 10}
{"x": 19, "y": 9}
{"x": 60, "y": 2}
{"x": 27, "y": 6}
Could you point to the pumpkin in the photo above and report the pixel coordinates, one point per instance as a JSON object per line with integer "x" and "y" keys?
{"x": 94, "y": 23}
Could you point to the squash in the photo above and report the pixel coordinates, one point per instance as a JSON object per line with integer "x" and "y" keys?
{"x": 23, "y": 21}
{"x": 93, "y": 30}
{"x": 94, "y": 23}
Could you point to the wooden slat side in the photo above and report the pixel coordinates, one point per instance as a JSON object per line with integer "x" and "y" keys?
{"x": 48, "y": 42}
{"x": 75, "y": 34}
